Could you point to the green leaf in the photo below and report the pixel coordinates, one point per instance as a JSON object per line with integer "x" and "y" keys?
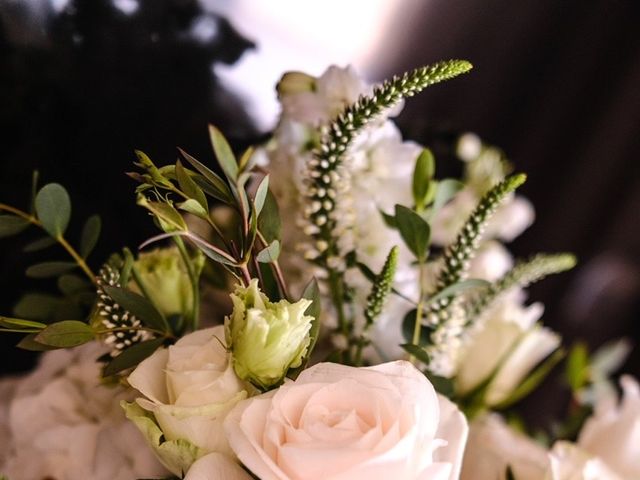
{"x": 132, "y": 356}
{"x": 389, "y": 220}
{"x": 40, "y": 244}
{"x": 422, "y": 179}
{"x": 139, "y": 306}
{"x": 577, "y": 369}
{"x": 247, "y": 160}
{"x": 90, "y": 235}
{"x": 534, "y": 379}
{"x": 212, "y": 252}
{"x": 12, "y": 225}
{"x": 36, "y": 306}
{"x": 53, "y": 207}
{"x": 408, "y": 326}
{"x": 414, "y": 230}
{"x": 168, "y": 217}
{"x": 49, "y": 269}
{"x": 189, "y": 186}
{"x": 445, "y": 191}
{"x": 459, "y": 287}
{"x": 417, "y": 351}
{"x": 65, "y": 334}
{"x": 70, "y": 284}
{"x": 193, "y": 207}
{"x": 18, "y": 323}
{"x": 28, "y": 342}
{"x": 261, "y": 194}
{"x": 269, "y": 220}
{"x": 210, "y": 182}
{"x": 223, "y": 152}
{"x": 270, "y": 253}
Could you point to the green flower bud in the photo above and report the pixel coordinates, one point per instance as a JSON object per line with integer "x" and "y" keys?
{"x": 266, "y": 339}
{"x": 165, "y": 278}
{"x": 295, "y": 82}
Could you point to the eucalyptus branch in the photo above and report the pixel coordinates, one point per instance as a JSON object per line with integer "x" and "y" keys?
{"x": 59, "y": 238}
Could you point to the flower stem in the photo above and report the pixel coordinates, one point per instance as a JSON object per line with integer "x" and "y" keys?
{"x": 195, "y": 284}
{"x": 419, "y": 308}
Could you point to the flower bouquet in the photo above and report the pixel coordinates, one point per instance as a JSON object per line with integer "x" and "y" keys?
{"x": 321, "y": 306}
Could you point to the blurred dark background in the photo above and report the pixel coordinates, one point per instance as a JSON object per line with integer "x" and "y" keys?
{"x": 83, "y": 83}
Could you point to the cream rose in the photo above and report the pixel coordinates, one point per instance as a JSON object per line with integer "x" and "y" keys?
{"x": 569, "y": 462}
{"x": 188, "y": 389}
{"x": 613, "y": 432}
{"x": 338, "y": 422}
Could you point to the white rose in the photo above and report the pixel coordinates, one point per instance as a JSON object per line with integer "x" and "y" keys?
{"x": 613, "y": 432}
{"x": 339, "y": 422}
{"x": 65, "y": 424}
{"x": 493, "y": 446}
{"x": 506, "y": 346}
{"x": 189, "y": 388}
{"x": 569, "y": 462}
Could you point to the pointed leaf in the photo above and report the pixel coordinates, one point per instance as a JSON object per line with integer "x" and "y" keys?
{"x": 53, "y": 207}
{"x": 193, "y": 207}
{"x": 12, "y": 225}
{"x": 459, "y": 287}
{"x": 445, "y": 191}
{"x": 49, "y": 269}
{"x": 19, "y": 323}
{"x": 414, "y": 230}
{"x": 210, "y": 182}
{"x": 261, "y": 194}
{"x": 68, "y": 333}
{"x": 270, "y": 253}
{"x": 90, "y": 235}
{"x": 132, "y": 356}
{"x": 72, "y": 284}
{"x": 139, "y": 306}
{"x": 29, "y": 343}
{"x": 223, "y": 152}
{"x": 269, "y": 223}
{"x": 189, "y": 186}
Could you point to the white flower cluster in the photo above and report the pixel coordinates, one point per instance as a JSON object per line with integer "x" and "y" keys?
{"x": 380, "y": 168}
{"x": 607, "y": 447}
{"x": 61, "y": 422}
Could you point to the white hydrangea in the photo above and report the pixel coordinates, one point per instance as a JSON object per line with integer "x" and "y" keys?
{"x": 61, "y": 422}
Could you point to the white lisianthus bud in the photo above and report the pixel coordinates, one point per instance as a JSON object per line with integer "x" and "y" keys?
{"x": 266, "y": 339}
{"x": 165, "y": 278}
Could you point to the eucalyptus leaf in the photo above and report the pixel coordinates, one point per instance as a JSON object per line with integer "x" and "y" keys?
{"x": 189, "y": 186}
{"x": 223, "y": 152}
{"x": 132, "y": 356}
{"x": 49, "y": 269}
{"x": 169, "y": 218}
{"x": 212, "y": 252}
{"x": 414, "y": 230}
{"x": 53, "y": 207}
{"x": 70, "y": 284}
{"x": 65, "y": 334}
{"x": 417, "y": 351}
{"x": 270, "y": 253}
{"x": 12, "y": 225}
{"x": 139, "y": 306}
{"x": 269, "y": 223}
{"x": 261, "y": 194}
{"x": 210, "y": 182}
{"x": 36, "y": 306}
{"x": 40, "y": 244}
{"x": 247, "y": 160}
{"x": 90, "y": 235}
